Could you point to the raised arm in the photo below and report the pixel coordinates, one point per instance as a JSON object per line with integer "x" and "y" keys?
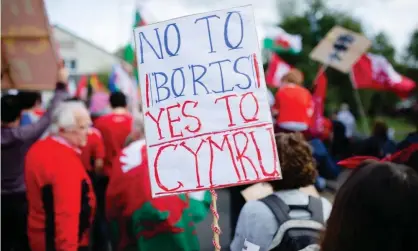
{"x": 34, "y": 131}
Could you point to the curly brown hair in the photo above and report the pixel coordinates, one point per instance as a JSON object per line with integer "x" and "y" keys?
{"x": 296, "y": 161}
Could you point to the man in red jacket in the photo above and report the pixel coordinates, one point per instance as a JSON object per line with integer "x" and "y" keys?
{"x": 59, "y": 191}
{"x": 115, "y": 128}
{"x": 293, "y": 103}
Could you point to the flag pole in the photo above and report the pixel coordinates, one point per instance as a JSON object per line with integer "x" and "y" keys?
{"x": 359, "y": 105}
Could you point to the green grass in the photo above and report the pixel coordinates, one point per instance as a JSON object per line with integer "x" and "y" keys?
{"x": 400, "y": 125}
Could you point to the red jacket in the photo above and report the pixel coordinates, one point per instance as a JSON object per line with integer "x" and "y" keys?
{"x": 114, "y": 128}
{"x": 295, "y": 106}
{"x": 60, "y": 196}
{"x": 94, "y": 149}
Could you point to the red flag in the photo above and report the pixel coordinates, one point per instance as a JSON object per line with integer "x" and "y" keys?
{"x": 276, "y": 70}
{"x": 81, "y": 91}
{"x": 318, "y": 97}
{"x": 375, "y": 72}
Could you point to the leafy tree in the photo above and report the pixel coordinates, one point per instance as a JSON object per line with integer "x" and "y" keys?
{"x": 381, "y": 45}
{"x": 411, "y": 56}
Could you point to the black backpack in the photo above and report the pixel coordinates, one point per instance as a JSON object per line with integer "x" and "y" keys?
{"x": 295, "y": 234}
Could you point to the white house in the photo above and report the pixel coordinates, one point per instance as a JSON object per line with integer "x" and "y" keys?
{"x": 81, "y": 56}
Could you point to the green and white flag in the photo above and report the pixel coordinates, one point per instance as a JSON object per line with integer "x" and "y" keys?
{"x": 278, "y": 40}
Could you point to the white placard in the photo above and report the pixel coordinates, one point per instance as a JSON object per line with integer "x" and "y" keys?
{"x": 207, "y": 117}
{"x": 340, "y": 48}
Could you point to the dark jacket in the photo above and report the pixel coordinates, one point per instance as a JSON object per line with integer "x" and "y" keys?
{"x": 15, "y": 143}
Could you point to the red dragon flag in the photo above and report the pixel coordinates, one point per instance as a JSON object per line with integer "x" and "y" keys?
{"x": 375, "y": 72}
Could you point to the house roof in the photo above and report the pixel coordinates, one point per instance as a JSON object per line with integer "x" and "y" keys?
{"x": 65, "y": 30}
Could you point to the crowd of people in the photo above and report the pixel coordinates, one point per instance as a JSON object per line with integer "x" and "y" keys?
{"x": 72, "y": 181}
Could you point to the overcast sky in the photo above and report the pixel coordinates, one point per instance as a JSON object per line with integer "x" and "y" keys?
{"x": 108, "y": 23}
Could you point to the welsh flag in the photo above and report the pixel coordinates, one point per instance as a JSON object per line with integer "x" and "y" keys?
{"x": 276, "y": 70}
{"x": 129, "y": 52}
{"x": 199, "y": 205}
{"x": 140, "y": 222}
{"x": 375, "y": 72}
{"x": 278, "y": 40}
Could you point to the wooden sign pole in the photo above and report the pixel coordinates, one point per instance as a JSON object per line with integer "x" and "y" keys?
{"x": 215, "y": 225}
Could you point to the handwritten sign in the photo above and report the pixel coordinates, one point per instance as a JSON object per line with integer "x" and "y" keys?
{"x": 207, "y": 118}
{"x": 29, "y": 61}
{"x": 340, "y": 48}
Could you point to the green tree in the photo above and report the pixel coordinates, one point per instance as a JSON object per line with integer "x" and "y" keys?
{"x": 411, "y": 54}
{"x": 381, "y": 45}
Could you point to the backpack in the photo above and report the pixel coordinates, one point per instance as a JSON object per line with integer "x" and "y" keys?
{"x": 295, "y": 234}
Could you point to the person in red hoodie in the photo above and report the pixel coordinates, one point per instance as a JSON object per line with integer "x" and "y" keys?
{"x": 294, "y": 103}
{"x": 60, "y": 195}
{"x": 115, "y": 128}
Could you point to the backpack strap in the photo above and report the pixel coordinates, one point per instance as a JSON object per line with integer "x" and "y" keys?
{"x": 315, "y": 208}
{"x": 277, "y": 207}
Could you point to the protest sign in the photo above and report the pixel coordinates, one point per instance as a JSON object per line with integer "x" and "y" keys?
{"x": 207, "y": 118}
{"x": 340, "y": 48}
{"x": 29, "y": 59}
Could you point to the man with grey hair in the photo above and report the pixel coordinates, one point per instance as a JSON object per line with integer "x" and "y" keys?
{"x": 59, "y": 191}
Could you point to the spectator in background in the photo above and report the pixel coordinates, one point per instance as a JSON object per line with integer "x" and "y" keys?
{"x": 31, "y": 107}
{"x": 340, "y": 145}
{"x": 378, "y": 144}
{"x": 375, "y": 210}
{"x": 59, "y": 191}
{"x": 15, "y": 142}
{"x": 257, "y": 223}
{"x": 345, "y": 116}
{"x": 114, "y": 127}
{"x": 140, "y": 222}
{"x": 294, "y": 103}
{"x": 92, "y": 155}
